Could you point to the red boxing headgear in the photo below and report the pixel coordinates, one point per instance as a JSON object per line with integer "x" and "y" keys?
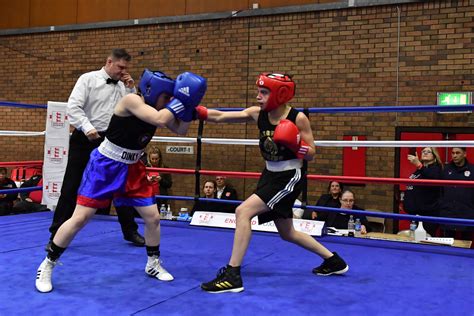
{"x": 282, "y": 89}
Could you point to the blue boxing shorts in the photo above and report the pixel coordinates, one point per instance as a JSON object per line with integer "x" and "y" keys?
{"x": 107, "y": 179}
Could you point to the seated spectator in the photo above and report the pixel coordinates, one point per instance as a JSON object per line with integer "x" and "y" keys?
{"x": 331, "y": 199}
{"x": 209, "y": 190}
{"x": 6, "y": 200}
{"x": 458, "y": 202}
{"x": 422, "y": 199}
{"x": 226, "y": 192}
{"x": 340, "y": 220}
{"x": 30, "y": 201}
{"x": 162, "y": 181}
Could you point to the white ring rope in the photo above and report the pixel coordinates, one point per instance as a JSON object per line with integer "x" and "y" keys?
{"x": 317, "y": 143}
{"x": 164, "y": 139}
{"x": 21, "y": 133}
{"x": 396, "y": 143}
{"x": 327, "y": 143}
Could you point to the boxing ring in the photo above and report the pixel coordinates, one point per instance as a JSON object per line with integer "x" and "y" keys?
{"x": 103, "y": 275}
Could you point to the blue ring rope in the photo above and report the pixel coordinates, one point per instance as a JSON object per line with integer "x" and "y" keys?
{"x": 348, "y": 109}
{"x": 442, "y": 220}
{"x": 378, "y": 109}
{"x": 20, "y": 190}
{"x": 23, "y": 105}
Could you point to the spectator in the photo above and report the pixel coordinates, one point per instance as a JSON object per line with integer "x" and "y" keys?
{"x": 340, "y": 220}
{"x": 6, "y": 200}
{"x": 90, "y": 108}
{"x": 31, "y": 201}
{"x": 331, "y": 199}
{"x": 209, "y": 191}
{"x": 422, "y": 199}
{"x": 162, "y": 181}
{"x": 458, "y": 202}
{"x": 225, "y": 192}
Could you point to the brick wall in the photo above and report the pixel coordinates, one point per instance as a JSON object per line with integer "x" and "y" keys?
{"x": 338, "y": 58}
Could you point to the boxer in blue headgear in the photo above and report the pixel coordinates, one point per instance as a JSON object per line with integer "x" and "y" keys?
{"x": 116, "y": 172}
{"x": 153, "y": 84}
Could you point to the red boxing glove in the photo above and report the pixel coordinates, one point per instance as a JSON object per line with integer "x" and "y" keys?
{"x": 288, "y": 135}
{"x": 201, "y": 112}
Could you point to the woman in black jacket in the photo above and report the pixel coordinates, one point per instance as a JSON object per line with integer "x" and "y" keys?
{"x": 422, "y": 199}
{"x": 331, "y": 199}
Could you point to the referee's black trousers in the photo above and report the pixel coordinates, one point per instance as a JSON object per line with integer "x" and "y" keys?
{"x": 80, "y": 149}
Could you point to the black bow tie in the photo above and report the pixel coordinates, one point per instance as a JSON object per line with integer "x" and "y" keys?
{"x": 110, "y": 80}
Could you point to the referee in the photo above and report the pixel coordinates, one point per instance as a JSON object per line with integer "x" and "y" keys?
{"x": 90, "y": 108}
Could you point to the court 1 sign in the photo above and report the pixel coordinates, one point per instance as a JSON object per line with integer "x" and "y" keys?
{"x": 187, "y": 150}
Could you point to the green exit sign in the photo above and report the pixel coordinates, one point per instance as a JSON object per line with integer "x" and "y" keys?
{"x": 454, "y": 98}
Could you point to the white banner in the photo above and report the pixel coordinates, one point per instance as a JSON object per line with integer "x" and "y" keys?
{"x": 226, "y": 220}
{"x": 56, "y": 149}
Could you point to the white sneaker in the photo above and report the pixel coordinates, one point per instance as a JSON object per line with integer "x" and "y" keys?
{"x": 43, "y": 276}
{"x": 155, "y": 269}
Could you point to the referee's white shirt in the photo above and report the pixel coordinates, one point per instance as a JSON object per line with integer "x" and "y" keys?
{"x": 92, "y": 101}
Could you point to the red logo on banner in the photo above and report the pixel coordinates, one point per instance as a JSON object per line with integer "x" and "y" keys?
{"x": 56, "y": 154}
{"x": 307, "y": 227}
{"x": 53, "y": 189}
{"x": 205, "y": 218}
{"x": 57, "y": 119}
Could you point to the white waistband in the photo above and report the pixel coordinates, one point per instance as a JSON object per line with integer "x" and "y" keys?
{"x": 117, "y": 153}
{"x": 276, "y": 166}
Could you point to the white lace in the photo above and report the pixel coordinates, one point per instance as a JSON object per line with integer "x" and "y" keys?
{"x": 154, "y": 268}
{"x": 45, "y": 270}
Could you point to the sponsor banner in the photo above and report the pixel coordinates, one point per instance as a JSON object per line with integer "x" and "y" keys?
{"x": 226, "y": 220}
{"x": 56, "y": 149}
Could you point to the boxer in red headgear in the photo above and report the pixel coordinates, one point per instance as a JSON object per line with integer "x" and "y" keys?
{"x": 282, "y": 89}
{"x": 286, "y": 139}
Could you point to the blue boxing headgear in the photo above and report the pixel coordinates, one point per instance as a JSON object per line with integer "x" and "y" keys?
{"x": 153, "y": 84}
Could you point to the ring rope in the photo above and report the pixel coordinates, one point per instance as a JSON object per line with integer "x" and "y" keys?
{"x": 32, "y": 163}
{"x": 399, "y": 143}
{"x": 326, "y": 143}
{"x": 346, "y": 179}
{"x": 375, "y": 109}
{"x": 23, "y": 105}
{"x": 348, "y": 109}
{"x": 405, "y": 108}
{"x": 444, "y": 220}
{"x": 320, "y": 143}
{"x": 20, "y": 190}
{"x": 21, "y": 133}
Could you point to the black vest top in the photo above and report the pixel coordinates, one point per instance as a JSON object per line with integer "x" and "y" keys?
{"x": 269, "y": 150}
{"x": 130, "y": 132}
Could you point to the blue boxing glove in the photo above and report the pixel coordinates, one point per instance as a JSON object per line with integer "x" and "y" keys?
{"x": 188, "y": 93}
